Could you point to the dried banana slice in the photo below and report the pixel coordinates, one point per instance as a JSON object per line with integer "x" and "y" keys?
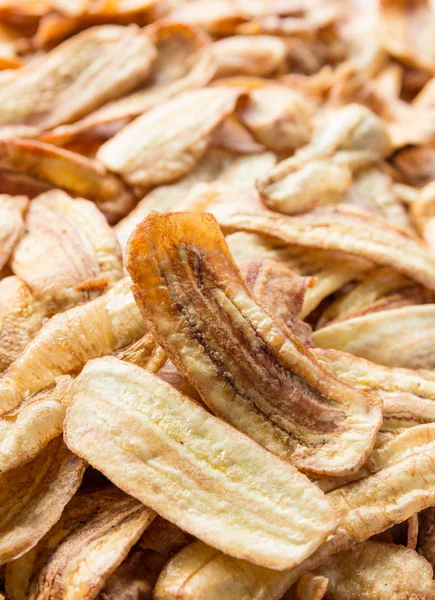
{"x": 80, "y": 75}
{"x": 12, "y": 211}
{"x": 401, "y": 337}
{"x": 191, "y": 467}
{"x": 33, "y": 496}
{"x": 258, "y": 55}
{"x": 250, "y": 371}
{"x": 74, "y": 559}
{"x": 168, "y": 141}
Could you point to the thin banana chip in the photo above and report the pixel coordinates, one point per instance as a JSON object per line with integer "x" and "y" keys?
{"x": 74, "y": 559}
{"x": 309, "y": 587}
{"x": 426, "y": 538}
{"x": 382, "y": 571}
{"x": 33, "y": 497}
{"x": 236, "y": 356}
{"x": 84, "y": 72}
{"x": 76, "y": 174}
{"x": 378, "y": 336}
{"x": 167, "y": 141}
{"x": 176, "y": 458}
{"x": 12, "y": 211}
{"x": 258, "y": 55}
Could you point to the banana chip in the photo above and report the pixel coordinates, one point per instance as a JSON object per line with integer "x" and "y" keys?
{"x": 236, "y": 356}
{"x": 12, "y": 211}
{"x": 167, "y": 451}
{"x": 80, "y": 75}
{"x": 74, "y": 559}
{"x": 258, "y": 55}
{"x": 382, "y": 571}
{"x": 378, "y": 336}
{"x": 33, "y": 497}
{"x": 168, "y": 141}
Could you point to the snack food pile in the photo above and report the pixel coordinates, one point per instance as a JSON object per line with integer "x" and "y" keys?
{"x": 217, "y": 300}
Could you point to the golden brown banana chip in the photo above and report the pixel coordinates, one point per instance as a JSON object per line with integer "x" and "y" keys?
{"x": 72, "y": 172}
{"x": 367, "y": 507}
{"x": 83, "y": 73}
{"x": 90, "y": 540}
{"x": 257, "y": 55}
{"x": 402, "y": 337}
{"x": 68, "y": 340}
{"x": 416, "y": 164}
{"x": 347, "y": 230}
{"x": 309, "y": 587}
{"x": 168, "y": 141}
{"x": 382, "y": 571}
{"x": 167, "y": 451}
{"x": 131, "y": 580}
{"x": 12, "y": 211}
{"x": 27, "y": 429}
{"x": 407, "y": 396}
{"x": 184, "y": 61}
{"x": 21, "y": 316}
{"x": 248, "y": 370}
{"x": 328, "y": 270}
{"x": 33, "y": 497}
{"x": 68, "y": 253}
{"x": 407, "y": 32}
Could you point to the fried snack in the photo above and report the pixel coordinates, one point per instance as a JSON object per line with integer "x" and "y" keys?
{"x": 33, "y": 497}
{"x": 258, "y": 55}
{"x": 380, "y": 289}
{"x": 375, "y": 570}
{"x": 407, "y": 396}
{"x": 69, "y": 253}
{"x": 426, "y": 536}
{"x": 184, "y": 61}
{"x": 68, "y": 340}
{"x": 168, "y": 141}
{"x": 83, "y": 73}
{"x": 378, "y": 336}
{"x": 26, "y": 430}
{"x": 346, "y": 230}
{"x": 21, "y": 316}
{"x": 131, "y": 580}
{"x": 218, "y": 337}
{"x": 309, "y": 587}
{"x": 12, "y": 210}
{"x": 329, "y": 270}
{"x": 403, "y": 488}
{"x": 74, "y": 559}
{"x": 407, "y": 32}
{"x": 190, "y": 472}
{"x": 58, "y": 168}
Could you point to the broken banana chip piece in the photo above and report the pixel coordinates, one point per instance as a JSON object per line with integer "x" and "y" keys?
{"x": 90, "y": 540}
{"x": 250, "y": 371}
{"x": 68, "y": 340}
{"x": 167, "y": 451}
{"x": 33, "y": 496}
{"x": 257, "y": 55}
{"x": 381, "y": 571}
{"x": 377, "y": 337}
{"x": 401, "y": 489}
{"x": 97, "y": 65}
{"x": 167, "y": 141}
{"x": 408, "y": 397}
{"x": 347, "y": 230}
{"x": 12, "y": 209}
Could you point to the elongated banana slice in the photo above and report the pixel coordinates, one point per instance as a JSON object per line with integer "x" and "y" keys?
{"x": 73, "y": 560}
{"x": 381, "y": 571}
{"x": 248, "y": 369}
{"x": 408, "y": 397}
{"x": 12, "y": 211}
{"x": 401, "y": 337}
{"x": 367, "y": 507}
{"x": 192, "y": 468}
{"x": 33, "y": 496}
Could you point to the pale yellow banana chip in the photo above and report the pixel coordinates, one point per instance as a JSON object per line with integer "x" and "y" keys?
{"x": 12, "y": 211}
{"x": 382, "y": 571}
{"x": 167, "y": 451}
{"x": 83, "y": 73}
{"x": 402, "y": 337}
{"x": 309, "y": 587}
{"x": 33, "y": 497}
{"x": 239, "y": 359}
{"x": 167, "y": 141}
{"x": 258, "y": 55}
{"x": 74, "y": 559}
